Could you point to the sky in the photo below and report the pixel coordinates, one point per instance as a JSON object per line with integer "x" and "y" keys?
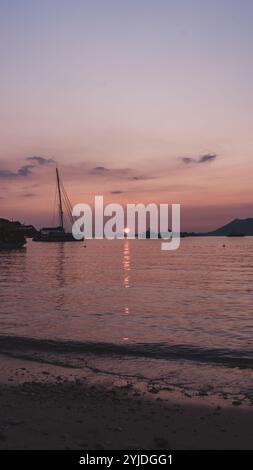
{"x": 137, "y": 100}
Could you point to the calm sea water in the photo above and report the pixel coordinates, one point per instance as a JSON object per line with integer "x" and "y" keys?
{"x": 130, "y": 301}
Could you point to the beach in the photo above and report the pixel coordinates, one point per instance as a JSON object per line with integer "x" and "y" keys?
{"x": 49, "y": 407}
{"x": 97, "y": 352}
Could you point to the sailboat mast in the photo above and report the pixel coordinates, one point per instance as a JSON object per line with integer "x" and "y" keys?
{"x": 60, "y": 198}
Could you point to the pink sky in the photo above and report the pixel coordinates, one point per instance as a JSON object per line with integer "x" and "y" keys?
{"x": 129, "y": 100}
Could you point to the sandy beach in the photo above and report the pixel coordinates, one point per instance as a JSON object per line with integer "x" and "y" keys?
{"x": 45, "y": 407}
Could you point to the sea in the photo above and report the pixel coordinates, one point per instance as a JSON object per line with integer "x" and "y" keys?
{"x": 179, "y": 320}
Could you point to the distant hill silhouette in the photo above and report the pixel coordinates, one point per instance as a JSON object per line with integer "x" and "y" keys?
{"x": 15, "y": 226}
{"x": 236, "y": 227}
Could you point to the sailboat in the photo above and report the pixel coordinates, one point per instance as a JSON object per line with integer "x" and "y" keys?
{"x": 58, "y": 234}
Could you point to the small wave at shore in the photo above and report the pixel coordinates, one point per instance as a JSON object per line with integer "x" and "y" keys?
{"x": 231, "y": 358}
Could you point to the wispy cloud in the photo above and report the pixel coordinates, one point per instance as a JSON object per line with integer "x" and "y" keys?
{"x": 209, "y": 157}
{"x": 110, "y": 172}
{"x": 41, "y": 160}
{"x": 119, "y": 173}
{"x": 28, "y": 195}
{"x": 143, "y": 177}
{"x": 99, "y": 169}
{"x": 187, "y": 160}
{"x": 26, "y": 170}
{"x": 27, "y": 188}
{"x": 7, "y": 174}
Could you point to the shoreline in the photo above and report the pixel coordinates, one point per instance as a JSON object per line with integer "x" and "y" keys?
{"x": 48, "y": 407}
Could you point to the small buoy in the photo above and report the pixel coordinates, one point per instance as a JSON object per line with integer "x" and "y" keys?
{"x": 224, "y": 246}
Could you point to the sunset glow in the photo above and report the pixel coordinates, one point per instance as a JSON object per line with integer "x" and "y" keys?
{"x": 141, "y": 99}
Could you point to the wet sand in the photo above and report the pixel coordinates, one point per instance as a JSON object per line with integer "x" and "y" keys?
{"x": 48, "y": 408}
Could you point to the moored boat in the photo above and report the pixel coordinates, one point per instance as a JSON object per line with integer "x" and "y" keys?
{"x": 53, "y": 234}
{"x": 58, "y": 234}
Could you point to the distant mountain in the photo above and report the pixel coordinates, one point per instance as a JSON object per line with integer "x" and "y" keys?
{"x": 236, "y": 227}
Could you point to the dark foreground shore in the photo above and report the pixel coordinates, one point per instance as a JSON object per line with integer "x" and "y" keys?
{"x": 51, "y": 411}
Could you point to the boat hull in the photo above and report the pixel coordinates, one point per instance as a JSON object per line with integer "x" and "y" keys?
{"x": 12, "y": 246}
{"x": 66, "y": 237}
